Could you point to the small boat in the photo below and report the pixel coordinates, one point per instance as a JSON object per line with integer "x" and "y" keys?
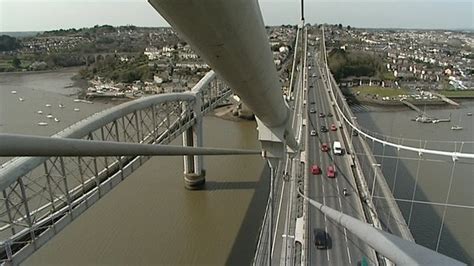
{"x": 13, "y": 92}
{"x": 455, "y": 127}
{"x": 77, "y": 109}
{"x": 42, "y": 124}
{"x": 39, "y": 112}
{"x": 47, "y": 105}
{"x": 50, "y": 116}
{"x": 61, "y": 105}
{"x": 56, "y": 119}
{"x": 77, "y": 100}
{"x": 469, "y": 114}
{"x": 21, "y": 99}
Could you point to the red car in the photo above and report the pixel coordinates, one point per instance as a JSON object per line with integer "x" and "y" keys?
{"x": 325, "y": 147}
{"x": 331, "y": 171}
{"x": 315, "y": 169}
{"x": 333, "y": 127}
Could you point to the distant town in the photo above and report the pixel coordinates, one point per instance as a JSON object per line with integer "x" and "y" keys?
{"x": 373, "y": 65}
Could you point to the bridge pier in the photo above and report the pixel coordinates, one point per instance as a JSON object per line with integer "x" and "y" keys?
{"x": 194, "y": 174}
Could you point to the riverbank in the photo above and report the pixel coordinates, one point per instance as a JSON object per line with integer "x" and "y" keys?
{"x": 228, "y": 112}
{"x": 55, "y": 70}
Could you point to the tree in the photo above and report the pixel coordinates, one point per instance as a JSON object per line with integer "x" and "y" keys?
{"x": 339, "y": 26}
{"x": 8, "y": 43}
{"x": 16, "y": 62}
{"x": 348, "y": 27}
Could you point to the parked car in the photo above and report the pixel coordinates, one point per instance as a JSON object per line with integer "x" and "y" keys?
{"x": 331, "y": 171}
{"x": 333, "y": 127}
{"x": 315, "y": 169}
{"x": 324, "y": 147}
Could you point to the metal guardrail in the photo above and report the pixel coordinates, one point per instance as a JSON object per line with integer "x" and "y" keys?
{"x": 41, "y": 195}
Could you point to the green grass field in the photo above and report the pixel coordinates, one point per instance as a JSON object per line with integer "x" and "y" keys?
{"x": 454, "y": 94}
{"x": 383, "y": 92}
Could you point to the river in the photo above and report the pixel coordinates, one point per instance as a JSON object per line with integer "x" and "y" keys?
{"x": 149, "y": 218}
{"x": 434, "y": 173}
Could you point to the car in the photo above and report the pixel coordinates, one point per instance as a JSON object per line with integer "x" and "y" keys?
{"x": 355, "y": 133}
{"x": 313, "y": 132}
{"x": 321, "y": 239}
{"x": 337, "y": 147}
{"x": 312, "y": 102}
{"x": 324, "y": 147}
{"x": 312, "y": 110}
{"x": 315, "y": 169}
{"x": 324, "y": 129}
{"x": 321, "y": 115}
{"x": 329, "y": 115}
{"x": 331, "y": 171}
{"x": 333, "y": 127}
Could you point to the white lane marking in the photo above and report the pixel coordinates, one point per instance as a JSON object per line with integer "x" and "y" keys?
{"x": 338, "y": 190}
{"x": 278, "y": 217}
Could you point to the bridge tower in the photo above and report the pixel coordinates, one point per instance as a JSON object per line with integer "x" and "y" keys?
{"x": 194, "y": 174}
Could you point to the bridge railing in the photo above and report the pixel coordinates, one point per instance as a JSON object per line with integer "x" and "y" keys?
{"x": 41, "y": 195}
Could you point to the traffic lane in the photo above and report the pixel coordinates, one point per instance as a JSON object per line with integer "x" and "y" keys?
{"x": 340, "y": 232}
{"x": 337, "y": 253}
{"x": 318, "y": 220}
{"x": 350, "y": 207}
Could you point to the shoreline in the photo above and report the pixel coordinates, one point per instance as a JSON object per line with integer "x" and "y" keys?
{"x": 62, "y": 69}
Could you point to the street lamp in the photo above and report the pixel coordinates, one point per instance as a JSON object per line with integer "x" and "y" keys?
{"x": 373, "y": 183}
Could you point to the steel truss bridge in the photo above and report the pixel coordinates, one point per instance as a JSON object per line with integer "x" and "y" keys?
{"x": 42, "y": 195}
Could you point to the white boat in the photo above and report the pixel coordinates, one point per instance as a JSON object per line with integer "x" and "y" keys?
{"x": 61, "y": 105}
{"x": 82, "y": 101}
{"x": 39, "y": 112}
{"x": 47, "y": 105}
{"x": 457, "y": 127}
{"x": 21, "y": 99}
{"x": 56, "y": 119}
{"x": 50, "y": 116}
{"x": 13, "y": 92}
{"x": 42, "y": 124}
{"x": 77, "y": 109}
{"x": 469, "y": 114}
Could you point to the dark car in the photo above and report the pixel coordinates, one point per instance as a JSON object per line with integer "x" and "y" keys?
{"x": 312, "y": 110}
{"x": 329, "y": 115}
{"x": 322, "y": 115}
{"x": 324, "y": 129}
{"x": 320, "y": 239}
{"x": 355, "y": 133}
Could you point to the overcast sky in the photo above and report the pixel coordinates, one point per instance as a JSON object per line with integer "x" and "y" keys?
{"x": 39, "y": 15}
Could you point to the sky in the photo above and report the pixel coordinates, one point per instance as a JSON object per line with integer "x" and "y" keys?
{"x": 40, "y": 15}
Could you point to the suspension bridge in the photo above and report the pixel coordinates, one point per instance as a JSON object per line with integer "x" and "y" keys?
{"x": 54, "y": 180}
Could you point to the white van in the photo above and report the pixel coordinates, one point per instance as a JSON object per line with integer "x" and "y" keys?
{"x": 337, "y": 148}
